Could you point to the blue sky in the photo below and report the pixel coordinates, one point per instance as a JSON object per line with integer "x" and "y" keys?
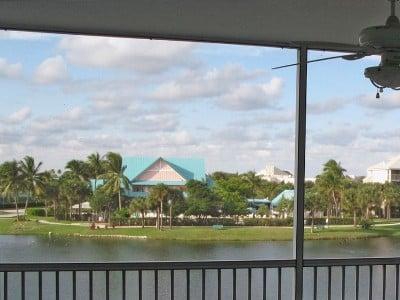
{"x": 64, "y": 97}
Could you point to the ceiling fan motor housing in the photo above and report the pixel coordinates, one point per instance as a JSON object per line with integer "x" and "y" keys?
{"x": 386, "y": 76}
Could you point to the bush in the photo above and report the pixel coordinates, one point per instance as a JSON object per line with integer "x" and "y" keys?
{"x": 366, "y": 224}
{"x": 332, "y": 221}
{"x": 36, "y": 212}
{"x": 268, "y": 222}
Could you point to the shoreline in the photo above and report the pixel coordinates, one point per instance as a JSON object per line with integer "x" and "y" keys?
{"x": 193, "y": 233}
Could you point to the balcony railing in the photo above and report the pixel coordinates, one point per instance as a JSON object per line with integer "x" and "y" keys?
{"x": 396, "y": 177}
{"x": 367, "y": 278}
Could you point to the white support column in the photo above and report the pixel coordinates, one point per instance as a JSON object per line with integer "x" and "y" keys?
{"x": 298, "y": 214}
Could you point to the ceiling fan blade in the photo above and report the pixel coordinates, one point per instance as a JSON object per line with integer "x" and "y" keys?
{"x": 346, "y": 57}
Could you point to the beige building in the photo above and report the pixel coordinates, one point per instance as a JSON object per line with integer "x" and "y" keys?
{"x": 385, "y": 171}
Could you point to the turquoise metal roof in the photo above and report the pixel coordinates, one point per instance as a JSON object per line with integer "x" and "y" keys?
{"x": 189, "y": 168}
{"x": 287, "y": 194}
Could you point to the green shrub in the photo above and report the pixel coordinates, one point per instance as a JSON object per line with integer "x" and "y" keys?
{"x": 268, "y": 222}
{"x": 36, "y": 212}
{"x": 366, "y": 224}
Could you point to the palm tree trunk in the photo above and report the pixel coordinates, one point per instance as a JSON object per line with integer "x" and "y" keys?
{"x": 45, "y": 206}
{"x": 80, "y": 210}
{"x": 119, "y": 199}
{"x": 170, "y": 216}
{"x": 312, "y": 221}
{"x": 142, "y": 219}
{"x": 26, "y": 202}
{"x": 16, "y": 206}
{"x": 354, "y": 218}
{"x": 389, "y": 212}
{"x": 161, "y": 215}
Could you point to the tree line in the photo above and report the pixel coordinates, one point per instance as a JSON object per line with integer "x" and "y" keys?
{"x": 101, "y": 180}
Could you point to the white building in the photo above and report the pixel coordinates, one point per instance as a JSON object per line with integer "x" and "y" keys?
{"x": 385, "y": 171}
{"x": 272, "y": 173}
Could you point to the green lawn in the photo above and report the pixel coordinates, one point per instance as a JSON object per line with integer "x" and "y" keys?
{"x": 239, "y": 233}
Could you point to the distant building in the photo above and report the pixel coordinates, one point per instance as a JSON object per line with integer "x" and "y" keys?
{"x": 175, "y": 172}
{"x": 272, "y": 173}
{"x": 385, "y": 171}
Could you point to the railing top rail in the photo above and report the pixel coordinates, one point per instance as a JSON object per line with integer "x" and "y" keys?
{"x": 182, "y": 265}
{"x": 163, "y": 265}
{"x": 364, "y": 261}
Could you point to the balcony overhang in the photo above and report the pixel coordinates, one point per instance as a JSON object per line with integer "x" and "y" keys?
{"x": 316, "y": 24}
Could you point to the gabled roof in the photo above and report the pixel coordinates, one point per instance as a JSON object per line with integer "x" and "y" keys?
{"x": 286, "y": 194}
{"x": 188, "y": 168}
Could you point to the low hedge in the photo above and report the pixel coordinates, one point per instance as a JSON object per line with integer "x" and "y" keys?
{"x": 268, "y": 222}
{"x": 332, "y": 221}
{"x": 39, "y": 212}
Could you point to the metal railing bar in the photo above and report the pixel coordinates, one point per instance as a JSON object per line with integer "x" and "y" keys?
{"x": 22, "y": 285}
{"x": 107, "y": 285}
{"x": 5, "y": 285}
{"x": 371, "y": 282}
{"x": 57, "y": 285}
{"x": 74, "y": 285}
{"x": 40, "y": 295}
{"x": 91, "y": 285}
{"x": 172, "y": 284}
{"x": 279, "y": 283}
{"x": 264, "y": 283}
{"x": 155, "y": 284}
{"x": 188, "y": 284}
{"x": 329, "y": 283}
{"x": 135, "y": 266}
{"x": 397, "y": 282}
{"x": 357, "y": 281}
{"x": 219, "y": 284}
{"x": 203, "y": 284}
{"x": 343, "y": 282}
{"x": 123, "y": 275}
{"x": 384, "y": 282}
{"x": 140, "y": 284}
{"x": 315, "y": 271}
{"x": 249, "y": 283}
{"x": 234, "y": 284}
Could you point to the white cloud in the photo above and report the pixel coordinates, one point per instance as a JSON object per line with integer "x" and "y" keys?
{"x": 51, "y": 70}
{"x": 387, "y": 101}
{"x": 9, "y": 70}
{"x": 20, "y": 115}
{"x": 326, "y": 107}
{"x": 147, "y": 56}
{"x": 252, "y": 96}
{"x": 196, "y": 84}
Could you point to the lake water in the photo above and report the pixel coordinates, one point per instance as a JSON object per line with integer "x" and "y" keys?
{"x": 43, "y": 249}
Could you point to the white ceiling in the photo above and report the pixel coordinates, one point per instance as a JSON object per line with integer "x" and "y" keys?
{"x": 321, "y": 24}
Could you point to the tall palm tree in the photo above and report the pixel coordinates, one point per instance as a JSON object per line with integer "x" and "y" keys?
{"x": 331, "y": 183}
{"x": 33, "y": 179}
{"x": 11, "y": 182}
{"x": 114, "y": 177}
{"x": 158, "y": 194}
{"x": 174, "y": 196}
{"x": 51, "y": 191}
{"x": 140, "y": 205}
{"x": 96, "y": 166}
{"x": 79, "y": 168}
{"x": 254, "y": 181}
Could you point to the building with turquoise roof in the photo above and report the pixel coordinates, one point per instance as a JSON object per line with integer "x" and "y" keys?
{"x": 145, "y": 172}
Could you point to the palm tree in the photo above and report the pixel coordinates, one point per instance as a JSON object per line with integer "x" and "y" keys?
{"x": 174, "y": 196}
{"x": 51, "y": 191}
{"x": 79, "y": 168}
{"x": 11, "y": 182}
{"x": 331, "y": 183}
{"x": 114, "y": 178}
{"x": 158, "y": 195}
{"x": 390, "y": 195}
{"x": 33, "y": 180}
{"x": 140, "y": 205}
{"x": 254, "y": 181}
{"x": 95, "y": 163}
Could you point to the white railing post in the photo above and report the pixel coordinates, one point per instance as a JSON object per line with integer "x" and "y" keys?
{"x": 298, "y": 214}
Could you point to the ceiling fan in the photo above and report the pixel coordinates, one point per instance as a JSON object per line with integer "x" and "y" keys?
{"x": 377, "y": 40}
